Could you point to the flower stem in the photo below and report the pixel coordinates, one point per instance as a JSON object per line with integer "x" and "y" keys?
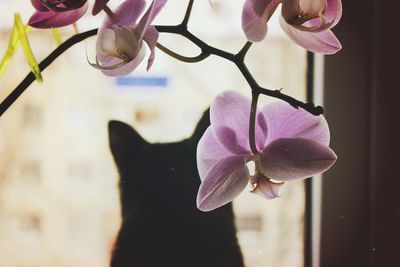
{"x": 242, "y": 53}
{"x": 187, "y": 14}
{"x": 206, "y": 51}
{"x": 182, "y": 58}
{"x": 238, "y": 60}
{"x": 109, "y": 12}
{"x": 253, "y": 112}
{"x": 30, "y": 78}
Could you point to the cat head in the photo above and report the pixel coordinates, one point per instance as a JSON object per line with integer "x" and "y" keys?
{"x": 159, "y": 174}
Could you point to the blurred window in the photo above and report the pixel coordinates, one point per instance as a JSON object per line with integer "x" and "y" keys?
{"x": 74, "y": 104}
{"x": 30, "y": 172}
{"x": 32, "y": 116}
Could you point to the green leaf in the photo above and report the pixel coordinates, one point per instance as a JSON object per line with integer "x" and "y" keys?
{"x": 27, "y": 48}
{"x": 57, "y": 35}
{"x": 12, "y": 45}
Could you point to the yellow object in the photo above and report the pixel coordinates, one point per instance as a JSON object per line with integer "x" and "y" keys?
{"x": 12, "y": 45}
{"x": 26, "y": 47}
{"x": 56, "y": 35}
{"x": 19, "y": 36}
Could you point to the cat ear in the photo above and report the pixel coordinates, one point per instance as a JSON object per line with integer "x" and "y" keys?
{"x": 125, "y": 142}
{"x": 201, "y": 126}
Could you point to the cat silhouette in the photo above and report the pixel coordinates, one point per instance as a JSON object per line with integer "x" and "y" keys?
{"x": 161, "y": 225}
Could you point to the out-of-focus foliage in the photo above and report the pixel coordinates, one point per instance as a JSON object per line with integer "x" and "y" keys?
{"x": 19, "y": 36}
{"x": 56, "y": 35}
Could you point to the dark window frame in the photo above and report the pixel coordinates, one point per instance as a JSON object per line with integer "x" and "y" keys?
{"x": 360, "y": 207}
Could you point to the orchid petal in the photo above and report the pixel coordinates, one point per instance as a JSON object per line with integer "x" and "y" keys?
{"x": 38, "y": 5}
{"x": 129, "y": 37}
{"x": 284, "y": 121}
{"x": 333, "y": 12}
{"x": 123, "y": 69}
{"x": 209, "y": 152}
{"x": 148, "y": 17}
{"x": 126, "y": 13}
{"x": 98, "y": 6}
{"x": 52, "y": 19}
{"x": 318, "y": 42}
{"x": 288, "y": 159}
{"x": 255, "y": 15}
{"x": 225, "y": 181}
{"x": 151, "y": 37}
{"x": 268, "y": 189}
{"x": 108, "y": 44}
{"x": 229, "y": 116}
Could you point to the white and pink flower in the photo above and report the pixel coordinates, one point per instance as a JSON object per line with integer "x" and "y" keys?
{"x": 306, "y": 22}
{"x": 119, "y": 48}
{"x": 292, "y": 144}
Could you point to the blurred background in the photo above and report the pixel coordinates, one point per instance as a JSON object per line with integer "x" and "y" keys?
{"x": 59, "y": 202}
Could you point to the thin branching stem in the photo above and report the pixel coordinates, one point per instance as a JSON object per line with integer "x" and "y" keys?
{"x": 252, "y": 124}
{"x": 206, "y": 50}
{"x": 179, "y": 57}
{"x": 109, "y": 12}
{"x": 238, "y": 60}
{"x": 30, "y": 78}
{"x": 242, "y": 53}
{"x": 187, "y": 14}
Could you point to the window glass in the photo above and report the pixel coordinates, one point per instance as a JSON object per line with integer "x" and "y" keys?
{"x": 55, "y": 138}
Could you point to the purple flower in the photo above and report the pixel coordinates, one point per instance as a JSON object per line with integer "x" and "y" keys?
{"x": 120, "y": 48}
{"x": 292, "y": 144}
{"x": 59, "y": 13}
{"x": 306, "y": 22}
{"x": 56, "y": 13}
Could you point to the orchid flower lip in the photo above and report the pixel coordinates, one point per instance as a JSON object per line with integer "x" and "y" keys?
{"x": 98, "y": 66}
{"x": 303, "y": 17}
{"x": 62, "y": 5}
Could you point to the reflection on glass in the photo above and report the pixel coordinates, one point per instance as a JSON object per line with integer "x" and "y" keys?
{"x": 58, "y": 184}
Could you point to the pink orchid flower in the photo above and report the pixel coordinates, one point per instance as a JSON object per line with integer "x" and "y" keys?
{"x": 56, "y": 13}
{"x": 306, "y": 22}
{"x": 59, "y": 13}
{"x": 292, "y": 144}
{"x": 120, "y": 48}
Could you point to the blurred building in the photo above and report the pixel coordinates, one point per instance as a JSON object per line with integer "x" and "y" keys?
{"x": 59, "y": 202}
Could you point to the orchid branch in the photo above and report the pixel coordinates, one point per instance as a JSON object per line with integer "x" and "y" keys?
{"x": 187, "y": 14}
{"x": 253, "y": 113}
{"x": 242, "y": 53}
{"x": 182, "y": 58}
{"x": 238, "y": 59}
{"x": 30, "y": 78}
{"x": 206, "y": 51}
